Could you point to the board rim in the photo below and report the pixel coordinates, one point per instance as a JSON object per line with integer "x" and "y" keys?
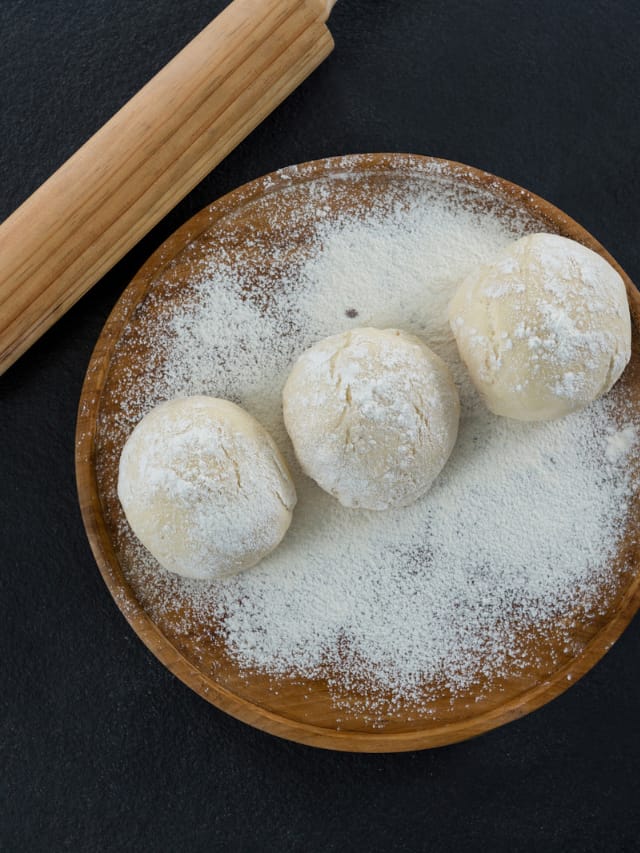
{"x": 102, "y": 548}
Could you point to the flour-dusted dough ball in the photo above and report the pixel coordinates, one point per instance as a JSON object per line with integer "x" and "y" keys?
{"x": 543, "y": 329}
{"x": 373, "y": 416}
{"x": 204, "y": 487}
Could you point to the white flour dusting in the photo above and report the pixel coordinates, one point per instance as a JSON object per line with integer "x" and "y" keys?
{"x": 519, "y": 529}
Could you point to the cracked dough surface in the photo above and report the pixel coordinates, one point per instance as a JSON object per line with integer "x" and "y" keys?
{"x": 373, "y": 416}
{"x": 204, "y": 487}
{"x": 544, "y": 329}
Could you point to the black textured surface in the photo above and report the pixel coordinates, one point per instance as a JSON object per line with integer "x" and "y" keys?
{"x": 102, "y": 749}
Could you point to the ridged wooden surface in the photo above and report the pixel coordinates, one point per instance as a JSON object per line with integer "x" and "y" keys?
{"x": 137, "y": 167}
{"x": 305, "y": 711}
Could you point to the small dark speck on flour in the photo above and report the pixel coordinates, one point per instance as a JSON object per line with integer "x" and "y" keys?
{"x": 516, "y": 537}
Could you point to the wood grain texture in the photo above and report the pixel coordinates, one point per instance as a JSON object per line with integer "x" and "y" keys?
{"x": 106, "y": 197}
{"x": 305, "y": 711}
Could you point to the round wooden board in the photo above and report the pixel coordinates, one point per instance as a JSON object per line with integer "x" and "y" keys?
{"x": 304, "y": 710}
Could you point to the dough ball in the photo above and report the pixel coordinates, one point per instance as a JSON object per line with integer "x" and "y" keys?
{"x": 373, "y": 416}
{"x": 204, "y": 487}
{"x": 543, "y": 329}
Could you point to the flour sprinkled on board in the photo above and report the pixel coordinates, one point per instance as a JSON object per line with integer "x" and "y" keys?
{"x": 516, "y": 537}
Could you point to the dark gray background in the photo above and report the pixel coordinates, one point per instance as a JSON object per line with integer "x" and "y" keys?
{"x": 102, "y": 749}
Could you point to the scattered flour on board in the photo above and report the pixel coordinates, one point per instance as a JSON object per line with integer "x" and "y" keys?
{"x": 519, "y": 529}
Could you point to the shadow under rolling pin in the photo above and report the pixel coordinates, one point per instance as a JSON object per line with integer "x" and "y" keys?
{"x": 146, "y": 158}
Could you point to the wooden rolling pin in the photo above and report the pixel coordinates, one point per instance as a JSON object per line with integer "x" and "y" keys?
{"x": 137, "y": 167}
